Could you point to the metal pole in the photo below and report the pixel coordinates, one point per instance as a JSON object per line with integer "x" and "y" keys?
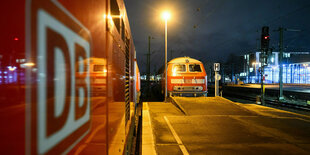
{"x": 216, "y": 84}
{"x": 248, "y": 71}
{"x": 149, "y": 67}
{"x": 223, "y": 75}
{"x": 281, "y": 31}
{"x": 149, "y": 60}
{"x": 262, "y": 77}
{"x": 255, "y": 73}
{"x": 281, "y": 64}
{"x": 232, "y": 73}
{"x": 166, "y": 31}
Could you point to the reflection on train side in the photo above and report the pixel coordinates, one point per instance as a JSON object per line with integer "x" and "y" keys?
{"x": 97, "y": 70}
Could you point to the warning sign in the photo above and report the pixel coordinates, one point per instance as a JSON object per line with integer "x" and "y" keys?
{"x": 60, "y": 108}
{"x": 216, "y": 67}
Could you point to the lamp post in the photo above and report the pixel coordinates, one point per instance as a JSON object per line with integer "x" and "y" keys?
{"x": 166, "y": 16}
{"x": 254, "y": 64}
{"x": 255, "y": 69}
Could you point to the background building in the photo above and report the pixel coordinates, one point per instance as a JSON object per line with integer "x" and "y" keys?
{"x": 296, "y": 68}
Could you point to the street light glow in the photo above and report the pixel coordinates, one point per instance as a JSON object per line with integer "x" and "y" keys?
{"x": 166, "y": 15}
{"x": 112, "y": 16}
{"x": 27, "y": 64}
{"x": 11, "y": 68}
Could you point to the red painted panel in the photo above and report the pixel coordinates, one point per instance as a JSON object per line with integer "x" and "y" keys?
{"x": 52, "y": 99}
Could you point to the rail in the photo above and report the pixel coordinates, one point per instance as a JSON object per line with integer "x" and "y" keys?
{"x": 272, "y": 102}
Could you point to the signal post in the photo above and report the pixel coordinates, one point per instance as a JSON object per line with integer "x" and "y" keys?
{"x": 263, "y": 58}
{"x": 217, "y": 78}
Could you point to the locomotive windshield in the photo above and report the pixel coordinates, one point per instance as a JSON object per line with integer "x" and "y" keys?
{"x": 98, "y": 68}
{"x": 179, "y": 68}
{"x": 194, "y": 68}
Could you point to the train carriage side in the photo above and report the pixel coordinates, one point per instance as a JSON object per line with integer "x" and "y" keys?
{"x": 72, "y": 82}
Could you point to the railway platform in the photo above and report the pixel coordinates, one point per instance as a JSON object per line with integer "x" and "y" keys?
{"x": 215, "y": 125}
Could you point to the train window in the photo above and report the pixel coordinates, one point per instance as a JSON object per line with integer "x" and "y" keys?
{"x": 179, "y": 68}
{"x": 98, "y": 68}
{"x": 194, "y": 68}
{"x": 115, "y": 13}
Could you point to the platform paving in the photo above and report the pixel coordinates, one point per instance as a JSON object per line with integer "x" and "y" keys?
{"x": 215, "y": 125}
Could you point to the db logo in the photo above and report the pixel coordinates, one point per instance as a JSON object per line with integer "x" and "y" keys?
{"x": 60, "y": 108}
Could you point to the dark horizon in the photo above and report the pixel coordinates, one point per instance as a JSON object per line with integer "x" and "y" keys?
{"x": 212, "y": 30}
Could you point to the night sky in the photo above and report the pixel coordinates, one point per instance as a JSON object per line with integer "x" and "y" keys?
{"x": 211, "y": 30}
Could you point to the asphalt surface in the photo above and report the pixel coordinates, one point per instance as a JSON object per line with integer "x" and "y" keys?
{"x": 214, "y": 125}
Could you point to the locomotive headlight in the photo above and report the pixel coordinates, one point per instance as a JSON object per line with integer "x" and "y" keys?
{"x": 174, "y": 72}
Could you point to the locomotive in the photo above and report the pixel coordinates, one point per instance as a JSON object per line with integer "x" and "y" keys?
{"x": 69, "y": 79}
{"x": 186, "y": 76}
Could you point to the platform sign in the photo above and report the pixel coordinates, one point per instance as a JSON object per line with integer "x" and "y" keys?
{"x": 216, "y": 67}
{"x": 218, "y": 77}
{"x": 60, "y": 108}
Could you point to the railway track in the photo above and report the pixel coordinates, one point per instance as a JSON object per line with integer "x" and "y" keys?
{"x": 272, "y": 102}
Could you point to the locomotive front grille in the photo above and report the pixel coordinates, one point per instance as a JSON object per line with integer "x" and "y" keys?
{"x": 187, "y": 81}
{"x": 187, "y": 88}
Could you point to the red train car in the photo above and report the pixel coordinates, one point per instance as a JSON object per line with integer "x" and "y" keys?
{"x": 186, "y": 76}
{"x": 68, "y": 77}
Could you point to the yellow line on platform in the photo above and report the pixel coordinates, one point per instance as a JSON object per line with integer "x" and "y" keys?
{"x": 148, "y": 146}
{"x": 177, "y": 138}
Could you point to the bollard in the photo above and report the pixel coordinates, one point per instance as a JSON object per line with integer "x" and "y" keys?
{"x": 258, "y": 100}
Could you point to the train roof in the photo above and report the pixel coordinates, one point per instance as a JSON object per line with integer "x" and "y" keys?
{"x": 184, "y": 60}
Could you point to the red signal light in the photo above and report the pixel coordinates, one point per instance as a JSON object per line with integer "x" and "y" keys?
{"x": 266, "y": 37}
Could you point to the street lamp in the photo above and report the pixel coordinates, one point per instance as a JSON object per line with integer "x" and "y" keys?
{"x": 255, "y": 68}
{"x": 166, "y": 16}
{"x": 254, "y": 64}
